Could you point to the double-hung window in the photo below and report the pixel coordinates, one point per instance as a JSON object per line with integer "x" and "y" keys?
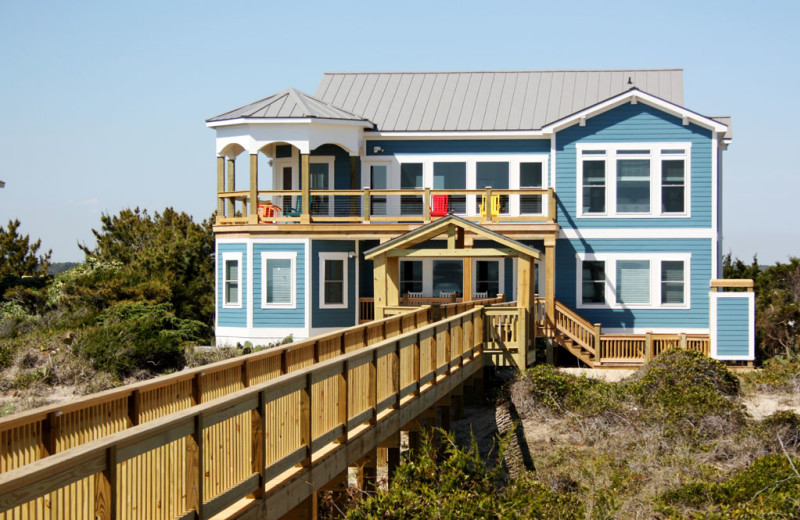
{"x": 278, "y": 275}
{"x": 232, "y": 280}
{"x": 333, "y": 281}
{"x": 530, "y": 176}
{"x": 633, "y": 179}
{"x": 633, "y": 280}
{"x": 410, "y": 276}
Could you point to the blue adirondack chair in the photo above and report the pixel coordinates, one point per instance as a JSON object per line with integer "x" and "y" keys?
{"x": 294, "y": 211}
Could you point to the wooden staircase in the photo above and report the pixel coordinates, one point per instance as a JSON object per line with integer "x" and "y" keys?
{"x": 577, "y": 335}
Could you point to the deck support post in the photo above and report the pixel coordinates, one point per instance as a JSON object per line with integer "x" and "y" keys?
{"x": 220, "y": 187}
{"x": 305, "y": 189}
{"x": 426, "y": 205}
{"x": 231, "y": 186}
{"x": 597, "y": 342}
{"x": 648, "y": 346}
{"x": 393, "y": 281}
{"x": 550, "y": 283}
{"x": 379, "y": 285}
{"x": 252, "y": 214}
{"x": 306, "y": 510}
{"x": 525, "y": 301}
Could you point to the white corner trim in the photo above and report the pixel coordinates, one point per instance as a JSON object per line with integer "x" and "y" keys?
{"x": 250, "y": 283}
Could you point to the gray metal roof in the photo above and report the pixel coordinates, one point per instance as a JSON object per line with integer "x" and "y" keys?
{"x": 458, "y": 101}
{"x": 289, "y": 103}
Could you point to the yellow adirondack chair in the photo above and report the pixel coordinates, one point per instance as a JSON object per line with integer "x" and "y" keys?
{"x": 495, "y": 209}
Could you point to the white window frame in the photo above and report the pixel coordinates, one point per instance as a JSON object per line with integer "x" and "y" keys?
{"x": 225, "y": 258}
{"x": 656, "y": 153}
{"x": 655, "y": 260}
{"x": 500, "y": 273}
{"x": 471, "y": 160}
{"x": 266, "y": 256}
{"x": 333, "y": 256}
{"x": 330, "y": 161}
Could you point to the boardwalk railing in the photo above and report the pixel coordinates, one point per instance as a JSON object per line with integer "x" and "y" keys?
{"x": 43, "y": 432}
{"x": 264, "y": 448}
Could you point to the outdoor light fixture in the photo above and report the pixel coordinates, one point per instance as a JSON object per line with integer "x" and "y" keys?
{"x": 377, "y": 149}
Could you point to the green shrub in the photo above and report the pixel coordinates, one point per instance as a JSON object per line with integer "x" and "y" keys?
{"x": 139, "y": 336}
{"x": 778, "y": 374}
{"x": 688, "y": 393}
{"x": 561, "y": 392}
{"x": 460, "y": 485}
{"x": 768, "y": 488}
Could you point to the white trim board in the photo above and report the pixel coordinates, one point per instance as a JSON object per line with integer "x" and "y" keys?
{"x": 634, "y": 233}
{"x": 654, "y": 330}
{"x": 229, "y": 336}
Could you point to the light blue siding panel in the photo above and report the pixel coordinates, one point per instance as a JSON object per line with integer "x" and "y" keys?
{"x": 700, "y": 276}
{"x": 232, "y": 317}
{"x": 634, "y": 123}
{"x": 333, "y": 317}
{"x": 445, "y": 146}
{"x": 733, "y": 326}
{"x": 280, "y": 318}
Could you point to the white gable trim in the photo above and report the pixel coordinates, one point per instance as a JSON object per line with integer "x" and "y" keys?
{"x": 284, "y": 120}
{"x": 635, "y": 96}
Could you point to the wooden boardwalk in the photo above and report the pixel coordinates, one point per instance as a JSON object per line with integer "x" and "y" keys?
{"x": 252, "y": 437}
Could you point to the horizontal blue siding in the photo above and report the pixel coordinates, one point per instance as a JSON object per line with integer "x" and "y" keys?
{"x": 733, "y": 326}
{"x": 333, "y": 317}
{"x": 700, "y": 276}
{"x": 459, "y": 146}
{"x": 232, "y": 317}
{"x": 642, "y": 124}
{"x": 280, "y": 318}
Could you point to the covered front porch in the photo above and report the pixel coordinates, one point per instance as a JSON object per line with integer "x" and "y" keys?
{"x": 511, "y": 325}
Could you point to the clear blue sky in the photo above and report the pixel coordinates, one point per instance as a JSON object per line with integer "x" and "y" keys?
{"x": 102, "y": 104}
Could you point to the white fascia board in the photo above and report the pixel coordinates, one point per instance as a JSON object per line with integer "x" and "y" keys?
{"x": 635, "y": 233}
{"x": 654, "y": 330}
{"x": 285, "y": 120}
{"x": 499, "y": 134}
{"x": 637, "y": 95}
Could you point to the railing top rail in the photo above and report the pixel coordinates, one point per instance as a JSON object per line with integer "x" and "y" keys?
{"x": 732, "y": 283}
{"x": 124, "y": 391}
{"x": 90, "y": 458}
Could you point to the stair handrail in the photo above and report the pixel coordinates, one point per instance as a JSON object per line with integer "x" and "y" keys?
{"x": 588, "y": 341}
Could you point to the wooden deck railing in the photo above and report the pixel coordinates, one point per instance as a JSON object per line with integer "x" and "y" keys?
{"x": 633, "y": 348}
{"x": 442, "y": 307}
{"x": 376, "y": 206}
{"x": 43, "y": 432}
{"x": 291, "y": 433}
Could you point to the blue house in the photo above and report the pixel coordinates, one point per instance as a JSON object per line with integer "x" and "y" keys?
{"x": 605, "y": 174}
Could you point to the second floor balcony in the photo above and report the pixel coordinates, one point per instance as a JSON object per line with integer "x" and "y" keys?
{"x": 386, "y": 206}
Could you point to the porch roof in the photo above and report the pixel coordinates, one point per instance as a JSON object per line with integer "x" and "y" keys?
{"x": 287, "y": 104}
{"x": 437, "y": 227}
